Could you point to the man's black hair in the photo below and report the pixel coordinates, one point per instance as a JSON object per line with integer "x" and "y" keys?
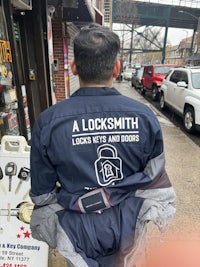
{"x": 95, "y": 53}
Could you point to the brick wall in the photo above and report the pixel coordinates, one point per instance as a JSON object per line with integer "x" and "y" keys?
{"x": 58, "y": 33}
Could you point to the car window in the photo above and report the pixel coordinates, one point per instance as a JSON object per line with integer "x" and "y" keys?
{"x": 139, "y": 72}
{"x": 130, "y": 70}
{"x": 162, "y": 70}
{"x": 175, "y": 77}
{"x": 196, "y": 80}
{"x": 147, "y": 71}
{"x": 168, "y": 74}
{"x": 179, "y": 76}
{"x": 184, "y": 77}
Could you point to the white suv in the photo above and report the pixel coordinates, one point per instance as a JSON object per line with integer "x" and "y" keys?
{"x": 180, "y": 91}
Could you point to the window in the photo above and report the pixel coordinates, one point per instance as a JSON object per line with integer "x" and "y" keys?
{"x": 179, "y": 76}
{"x": 9, "y": 113}
{"x": 184, "y": 77}
{"x": 175, "y": 77}
{"x": 148, "y": 70}
{"x": 162, "y": 70}
{"x": 196, "y": 80}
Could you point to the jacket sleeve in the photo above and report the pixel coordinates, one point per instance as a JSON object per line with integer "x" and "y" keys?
{"x": 159, "y": 195}
{"x": 160, "y": 188}
{"x": 43, "y": 174}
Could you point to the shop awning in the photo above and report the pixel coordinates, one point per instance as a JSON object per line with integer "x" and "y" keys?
{"x": 81, "y": 14}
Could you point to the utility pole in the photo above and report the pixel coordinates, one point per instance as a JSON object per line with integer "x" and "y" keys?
{"x": 122, "y": 45}
{"x": 131, "y": 46}
{"x": 111, "y": 10}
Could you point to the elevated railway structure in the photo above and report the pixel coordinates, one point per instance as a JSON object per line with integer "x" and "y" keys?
{"x": 183, "y": 14}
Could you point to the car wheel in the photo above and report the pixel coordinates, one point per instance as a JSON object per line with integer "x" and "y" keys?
{"x": 189, "y": 120}
{"x": 162, "y": 102}
{"x": 137, "y": 86}
{"x": 142, "y": 90}
{"x": 154, "y": 93}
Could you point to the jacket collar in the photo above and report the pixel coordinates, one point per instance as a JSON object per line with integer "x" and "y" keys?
{"x": 96, "y": 91}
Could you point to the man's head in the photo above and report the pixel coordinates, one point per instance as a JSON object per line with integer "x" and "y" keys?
{"x": 95, "y": 54}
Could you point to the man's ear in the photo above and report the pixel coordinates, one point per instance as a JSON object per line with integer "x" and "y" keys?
{"x": 73, "y": 67}
{"x": 116, "y": 69}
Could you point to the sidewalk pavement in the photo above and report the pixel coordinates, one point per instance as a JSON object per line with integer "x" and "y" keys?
{"x": 183, "y": 168}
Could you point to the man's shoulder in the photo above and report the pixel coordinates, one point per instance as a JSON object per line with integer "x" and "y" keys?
{"x": 56, "y": 110}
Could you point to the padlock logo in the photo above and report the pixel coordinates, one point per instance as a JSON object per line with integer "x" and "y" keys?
{"x": 108, "y": 166}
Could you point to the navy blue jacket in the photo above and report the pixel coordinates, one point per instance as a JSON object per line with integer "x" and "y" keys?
{"x": 97, "y": 139}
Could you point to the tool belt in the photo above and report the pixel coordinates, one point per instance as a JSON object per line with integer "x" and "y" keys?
{"x": 96, "y": 201}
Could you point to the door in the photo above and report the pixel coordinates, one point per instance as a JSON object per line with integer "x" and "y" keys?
{"x": 181, "y": 92}
{"x": 22, "y": 79}
{"x": 176, "y": 94}
{"x": 149, "y": 77}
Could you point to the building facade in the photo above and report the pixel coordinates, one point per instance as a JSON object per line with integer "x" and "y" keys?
{"x": 24, "y": 78}
{"x": 36, "y": 46}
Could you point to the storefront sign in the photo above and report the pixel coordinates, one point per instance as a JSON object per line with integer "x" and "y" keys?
{"x": 5, "y": 51}
{"x": 17, "y": 247}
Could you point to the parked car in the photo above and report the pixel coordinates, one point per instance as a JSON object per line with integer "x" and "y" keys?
{"x": 120, "y": 76}
{"x": 180, "y": 91}
{"x": 136, "y": 80}
{"x": 127, "y": 74}
{"x": 152, "y": 78}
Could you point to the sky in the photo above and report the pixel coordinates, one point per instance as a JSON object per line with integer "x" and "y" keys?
{"x": 174, "y": 35}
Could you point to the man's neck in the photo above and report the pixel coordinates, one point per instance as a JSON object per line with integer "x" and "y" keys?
{"x": 92, "y": 84}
